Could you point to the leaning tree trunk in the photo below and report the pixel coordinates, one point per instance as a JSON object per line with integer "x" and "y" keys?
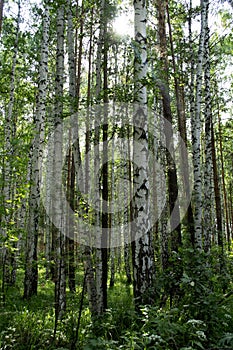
{"x": 31, "y": 269}
{"x": 142, "y": 252}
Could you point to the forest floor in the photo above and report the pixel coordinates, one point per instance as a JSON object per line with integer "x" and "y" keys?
{"x": 202, "y": 319}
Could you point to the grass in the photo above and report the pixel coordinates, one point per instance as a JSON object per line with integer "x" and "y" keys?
{"x": 29, "y": 325}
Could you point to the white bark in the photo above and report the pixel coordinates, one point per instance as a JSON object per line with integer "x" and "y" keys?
{"x": 31, "y": 273}
{"x": 143, "y": 257}
{"x": 98, "y": 204}
{"x": 196, "y": 130}
{"x": 208, "y": 179}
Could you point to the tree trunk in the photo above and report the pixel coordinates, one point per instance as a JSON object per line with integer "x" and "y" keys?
{"x": 1, "y": 14}
{"x": 171, "y": 167}
{"x": 208, "y": 176}
{"x": 142, "y": 252}
{"x": 105, "y": 192}
{"x": 196, "y": 127}
{"x": 58, "y": 209}
{"x": 183, "y": 133}
{"x": 7, "y": 191}
{"x": 31, "y": 269}
{"x": 217, "y": 192}
{"x": 223, "y": 181}
{"x": 71, "y": 165}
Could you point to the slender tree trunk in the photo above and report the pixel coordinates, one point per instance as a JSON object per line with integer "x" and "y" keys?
{"x": 171, "y": 167}
{"x": 31, "y": 269}
{"x": 208, "y": 176}
{"x": 80, "y": 53}
{"x": 9, "y": 132}
{"x": 231, "y": 208}
{"x": 88, "y": 258}
{"x": 161, "y": 185}
{"x": 76, "y": 54}
{"x": 1, "y": 14}
{"x": 105, "y": 192}
{"x": 217, "y": 191}
{"x": 192, "y": 102}
{"x": 98, "y": 257}
{"x": 111, "y": 217}
{"x": 183, "y": 133}
{"x": 223, "y": 181}
{"x": 58, "y": 209}
{"x": 71, "y": 181}
{"x": 70, "y": 252}
{"x": 49, "y": 248}
{"x": 127, "y": 174}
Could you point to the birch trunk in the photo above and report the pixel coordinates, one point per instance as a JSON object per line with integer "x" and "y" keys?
{"x": 192, "y": 101}
{"x": 105, "y": 192}
{"x": 111, "y": 219}
{"x": 88, "y": 257}
{"x": 71, "y": 178}
{"x": 31, "y": 270}
{"x": 127, "y": 174}
{"x": 208, "y": 176}
{"x": 223, "y": 183}
{"x": 143, "y": 264}
{"x": 196, "y": 128}
{"x": 58, "y": 209}
{"x": 99, "y": 264}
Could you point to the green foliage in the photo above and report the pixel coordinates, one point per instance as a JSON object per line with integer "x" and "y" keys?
{"x": 201, "y": 316}
{"x": 197, "y": 310}
{"x": 30, "y": 330}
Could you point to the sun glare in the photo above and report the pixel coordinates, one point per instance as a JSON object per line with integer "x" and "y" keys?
{"x": 123, "y": 25}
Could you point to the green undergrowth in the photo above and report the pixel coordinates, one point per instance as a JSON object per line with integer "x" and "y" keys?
{"x": 201, "y": 317}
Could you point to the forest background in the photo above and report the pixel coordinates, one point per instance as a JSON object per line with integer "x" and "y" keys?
{"x": 116, "y": 165}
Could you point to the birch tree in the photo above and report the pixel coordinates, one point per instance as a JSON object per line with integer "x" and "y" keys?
{"x": 71, "y": 163}
{"x": 58, "y": 209}
{"x": 142, "y": 253}
{"x": 31, "y": 269}
{"x": 98, "y": 88}
{"x": 88, "y": 257}
{"x": 196, "y": 127}
{"x": 208, "y": 175}
{"x": 105, "y": 191}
